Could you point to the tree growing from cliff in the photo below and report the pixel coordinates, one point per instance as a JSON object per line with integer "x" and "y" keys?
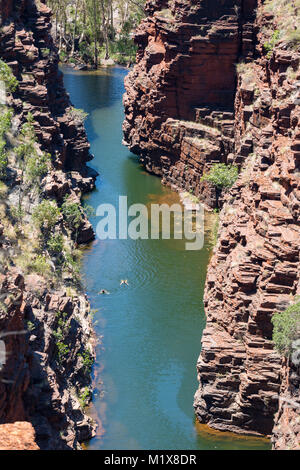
{"x": 72, "y": 213}
{"x": 46, "y": 215}
{"x": 5, "y": 125}
{"x": 6, "y": 76}
{"x": 221, "y": 175}
{"x": 286, "y": 329}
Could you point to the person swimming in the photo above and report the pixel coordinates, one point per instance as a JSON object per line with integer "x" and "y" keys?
{"x": 104, "y": 291}
{"x": 124, "y": 282}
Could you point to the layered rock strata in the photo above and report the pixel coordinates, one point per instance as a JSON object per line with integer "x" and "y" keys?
{"x": 17, "y": 436}
{"x": 286, "y": 429}
{"x": 45, "y": 324}
{"x": 255, "y": 268}
{"x": 179, "y": 98}
{"x": 187, "y": 108}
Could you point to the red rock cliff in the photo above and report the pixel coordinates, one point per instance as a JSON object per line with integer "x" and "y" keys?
{"x": 179, "y": 98}
{"x": 186, "y": 108}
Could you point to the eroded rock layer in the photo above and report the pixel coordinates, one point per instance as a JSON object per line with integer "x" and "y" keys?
{"x": 255, "y": 268}
{"x": 44, "y": 324}
{"x": 187, "y": 108}
{"x": 17, "y": 436}
{"x": 179, "y": 98}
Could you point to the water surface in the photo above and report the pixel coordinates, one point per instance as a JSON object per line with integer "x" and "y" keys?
{"x": 145, "y": 369}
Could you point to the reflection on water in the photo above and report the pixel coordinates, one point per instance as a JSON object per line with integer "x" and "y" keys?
{"x": 145, "y": 373}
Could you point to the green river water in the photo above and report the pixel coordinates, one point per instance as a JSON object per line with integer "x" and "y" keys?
{"x": 145, "y": 373}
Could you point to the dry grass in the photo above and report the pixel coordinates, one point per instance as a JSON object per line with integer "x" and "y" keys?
{"x": 165, "y": 13}
{"x": 286, "y": 14}
{"x": 248, "y": 73}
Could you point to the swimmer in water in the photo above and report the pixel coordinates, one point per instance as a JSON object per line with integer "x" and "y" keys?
{"x": 104, "y": 291}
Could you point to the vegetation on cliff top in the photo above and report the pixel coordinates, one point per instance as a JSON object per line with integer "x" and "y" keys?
{"x": 90, "y": 31}
{"x": 286, "y": 18}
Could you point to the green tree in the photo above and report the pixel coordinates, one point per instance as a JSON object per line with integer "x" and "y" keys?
{"x": 5, "y": 125}
{"x": 37, "y": 166}
{"x": 55, "y": 244}
{"x": 46, "y": 215}
{"x": 286, "y": 329}
{"x": 221, "y": 175}
{"x": 7, "y": 76}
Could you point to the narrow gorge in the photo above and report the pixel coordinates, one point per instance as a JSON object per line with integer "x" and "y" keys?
{"x": 214, "y": 83}
{"x": 99, "y": 337}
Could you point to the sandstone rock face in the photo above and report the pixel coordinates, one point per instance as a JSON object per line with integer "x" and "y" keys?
{"x": 40, "y": 390}
{"x": 255, "y": 268}
{"x": 187, "y": 108}
{"x": 287, "y": 426}
{"x": 14, "y": 374}
{"x": 179, "y": 98}
{"x": 52, "y": 396}
{"x": 17, "y": 436}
